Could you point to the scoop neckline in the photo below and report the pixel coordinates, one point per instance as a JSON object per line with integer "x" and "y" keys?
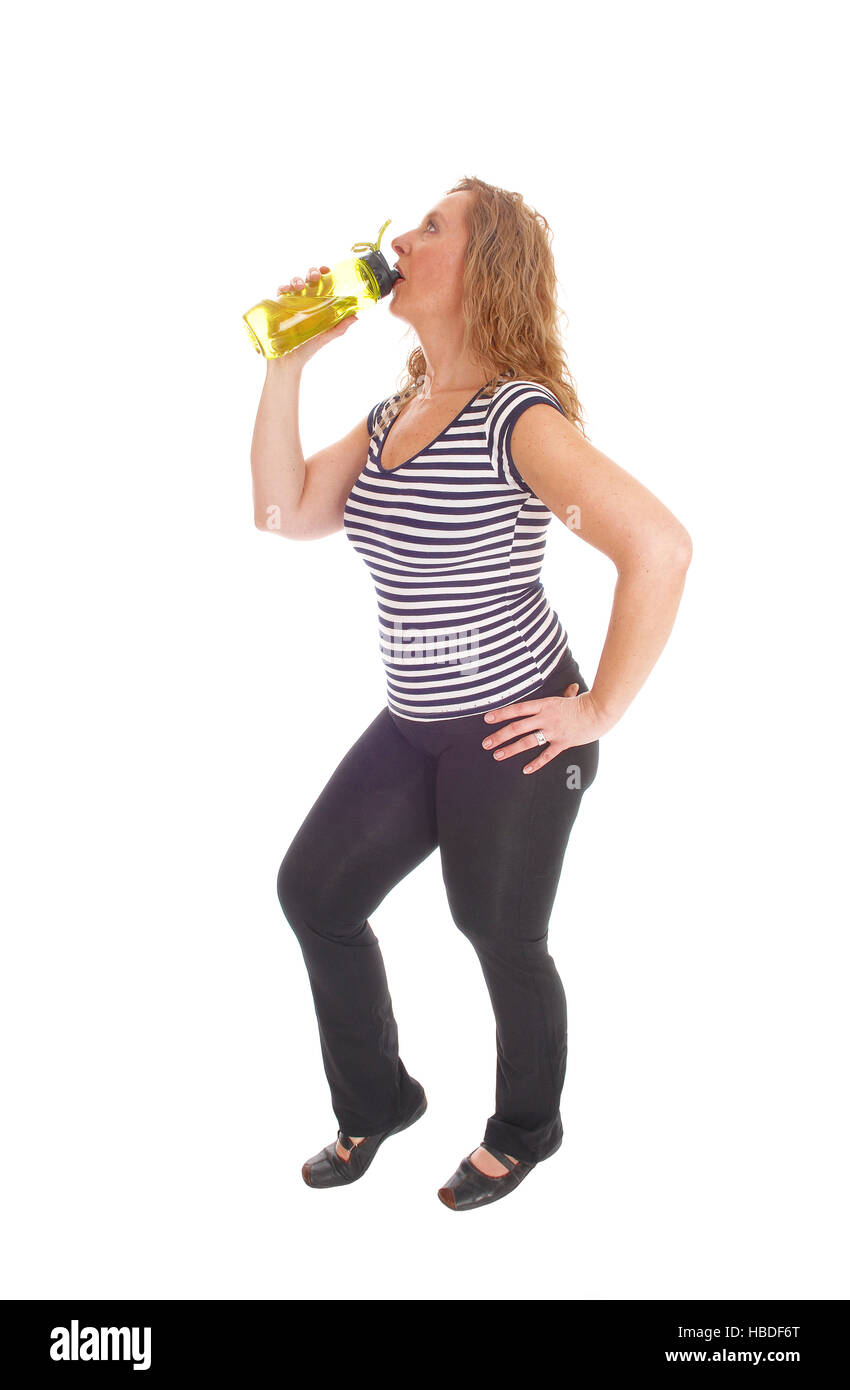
{"x": 425, "y": 447}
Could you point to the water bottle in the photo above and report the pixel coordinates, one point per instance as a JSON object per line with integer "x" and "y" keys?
{"x": 276, "y": 326}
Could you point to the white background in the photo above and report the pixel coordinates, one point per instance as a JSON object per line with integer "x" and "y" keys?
{"x": 180, "y": 686}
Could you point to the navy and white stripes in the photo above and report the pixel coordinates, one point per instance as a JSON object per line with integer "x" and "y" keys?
{"x": 454, "y": 540}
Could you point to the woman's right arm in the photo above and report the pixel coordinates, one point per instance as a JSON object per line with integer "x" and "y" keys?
{"x": 293, "y": 497}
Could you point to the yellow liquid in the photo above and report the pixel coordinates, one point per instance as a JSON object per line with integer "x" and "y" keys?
{"x": 276, "y": 326}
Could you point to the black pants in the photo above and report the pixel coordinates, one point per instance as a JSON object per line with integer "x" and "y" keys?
{"x": 404, "y": 788}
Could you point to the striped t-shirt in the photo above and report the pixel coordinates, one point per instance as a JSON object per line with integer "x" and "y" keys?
{"x": 454, "y": 539}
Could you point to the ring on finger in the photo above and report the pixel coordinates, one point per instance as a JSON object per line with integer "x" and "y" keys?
{"x": 540, "y": 736}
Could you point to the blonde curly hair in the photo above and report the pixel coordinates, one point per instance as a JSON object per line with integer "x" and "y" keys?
{"x": 510, "y": 305}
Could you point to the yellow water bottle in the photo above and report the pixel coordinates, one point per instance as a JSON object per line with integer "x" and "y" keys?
{"x": 276, "y": 326}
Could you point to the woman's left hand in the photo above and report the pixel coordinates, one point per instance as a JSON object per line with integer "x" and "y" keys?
{"x": 567, "y": 720}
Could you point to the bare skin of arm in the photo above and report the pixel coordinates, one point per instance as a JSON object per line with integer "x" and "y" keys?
{"x": 301, "y": 499}
{"x": 610, "y": 510}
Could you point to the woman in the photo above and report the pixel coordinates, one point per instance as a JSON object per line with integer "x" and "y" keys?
{"x": 490, "y": 735}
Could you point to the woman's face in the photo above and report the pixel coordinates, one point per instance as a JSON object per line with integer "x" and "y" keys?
{"x": 431, "y": 259}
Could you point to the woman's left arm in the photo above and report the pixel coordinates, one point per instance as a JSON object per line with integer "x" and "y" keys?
{"x": 616, "y": 514}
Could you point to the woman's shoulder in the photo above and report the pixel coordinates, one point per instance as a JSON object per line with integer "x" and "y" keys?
{"x": 520, "y": 388}
{"x": 514, "y": 396}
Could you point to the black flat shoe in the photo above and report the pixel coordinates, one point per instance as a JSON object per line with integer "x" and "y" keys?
{"x": 327, "y": 1169}
{"x": 468, "y": 1187}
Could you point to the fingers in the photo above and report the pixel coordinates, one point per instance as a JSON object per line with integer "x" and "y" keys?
{"x": 546, "y": 756}
{"x": 297, "y": 284}
{"x": 513, "y": 731}
{"x": 519, "y": 735}
{"x": 525, "y": 707}
{"x": 518, "y": 746}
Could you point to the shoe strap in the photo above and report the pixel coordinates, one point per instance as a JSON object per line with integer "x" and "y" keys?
{"x": 501, "y": 1157}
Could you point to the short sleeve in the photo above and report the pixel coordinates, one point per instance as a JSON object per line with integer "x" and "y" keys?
{"x": 509, "y": 403}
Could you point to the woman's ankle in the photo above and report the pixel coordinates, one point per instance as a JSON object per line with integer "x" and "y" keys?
{"x": 342, "y": 1152}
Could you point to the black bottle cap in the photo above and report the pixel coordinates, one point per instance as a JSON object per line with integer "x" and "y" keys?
{"x": 383, "y": 272}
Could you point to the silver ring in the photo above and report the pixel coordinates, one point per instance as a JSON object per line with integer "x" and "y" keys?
{"x": 540, "y": 736}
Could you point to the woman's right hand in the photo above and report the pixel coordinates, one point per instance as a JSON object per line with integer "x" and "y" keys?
{"x": 308, "y": 288}
{"x": 297, "y": 285}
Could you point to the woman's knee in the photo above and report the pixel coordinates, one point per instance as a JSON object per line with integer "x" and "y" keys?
{"x": 289, "y": 886}
{"x": 505, "y": 943}
{"x": 296, "y": 888}
{"x": 487, "y": 920}
{"x": 321, "y": 903}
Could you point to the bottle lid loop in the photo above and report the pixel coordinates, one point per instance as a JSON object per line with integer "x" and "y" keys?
{"x": 372, "y": 245}
{"x": 373, "y": 259}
